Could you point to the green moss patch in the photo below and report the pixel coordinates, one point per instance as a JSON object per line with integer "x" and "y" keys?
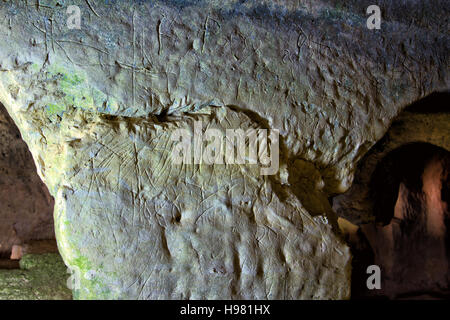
{"x": 41, "y": 277}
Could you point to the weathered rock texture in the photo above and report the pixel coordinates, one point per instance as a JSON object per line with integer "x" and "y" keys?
{"x": 97, "y": 107}
{"x": 26, "y": 207}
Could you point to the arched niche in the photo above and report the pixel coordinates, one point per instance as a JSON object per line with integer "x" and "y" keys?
{"x": 396, "y": 213}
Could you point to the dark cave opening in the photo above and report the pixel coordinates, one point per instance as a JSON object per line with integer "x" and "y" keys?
{"x": 26, "y": 206}
{"x": 396, "y": 213}
{"x": 405, "y": 165}
{"x": 409, "y": 240}
{"x": 30, "y": 265}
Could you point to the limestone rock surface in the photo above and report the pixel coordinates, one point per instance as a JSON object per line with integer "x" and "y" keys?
{"x": 97, "y": 106}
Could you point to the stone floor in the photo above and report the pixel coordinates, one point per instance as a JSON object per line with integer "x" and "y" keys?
{"x": 40, "y": 277}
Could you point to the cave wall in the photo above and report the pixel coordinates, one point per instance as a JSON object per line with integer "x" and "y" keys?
{"x": 97, "y": 106}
